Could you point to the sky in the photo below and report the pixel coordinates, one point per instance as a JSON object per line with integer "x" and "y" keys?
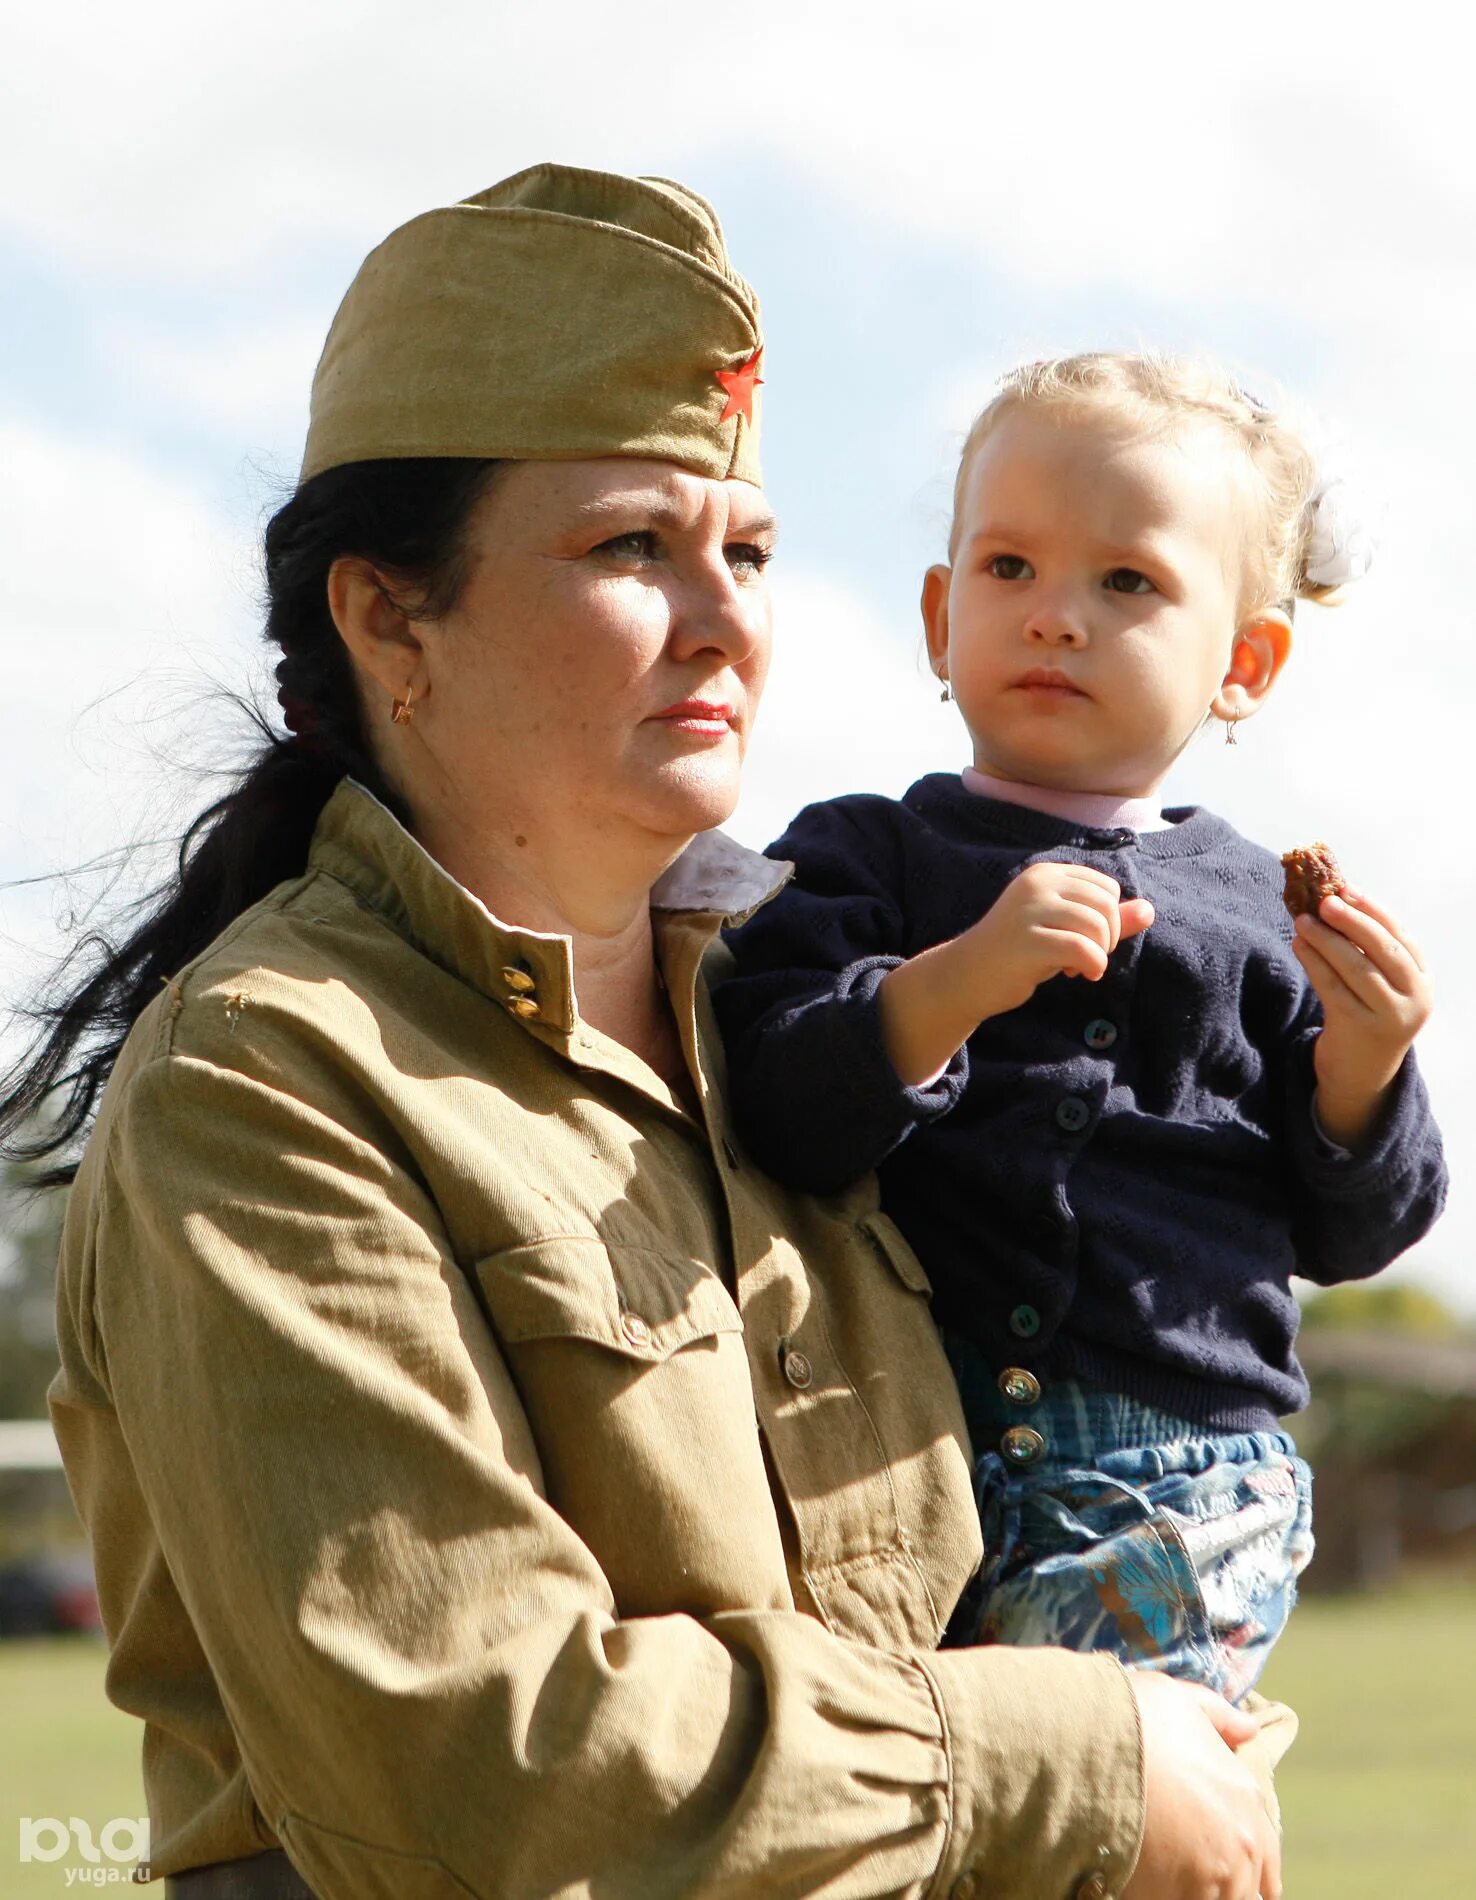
{"x": 920, "y": 204}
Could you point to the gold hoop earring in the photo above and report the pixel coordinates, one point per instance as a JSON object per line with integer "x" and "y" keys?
{"x": 403, "y": 710}
{"x": 1230, "y": 728}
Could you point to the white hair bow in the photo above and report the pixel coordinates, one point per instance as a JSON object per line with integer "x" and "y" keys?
{"x": 1339, "y": 548}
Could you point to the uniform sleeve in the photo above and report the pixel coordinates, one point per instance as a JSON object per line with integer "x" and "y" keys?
{"x": 813, "y": 1089}
{"x": 1352, "y": 1214}
{"x": 430, "y": 1686}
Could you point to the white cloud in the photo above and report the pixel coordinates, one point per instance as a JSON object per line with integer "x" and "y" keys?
{"x": 1166, "y": 149}
{"x": 249, "y": 383}
{"x": 124, "y": 598}
{"x": 850, "y": 706}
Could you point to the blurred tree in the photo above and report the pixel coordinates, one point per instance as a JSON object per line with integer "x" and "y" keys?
{"x": 1379, "y": 1438}
{"x": 1361, "y": 1419}
{"x": 1398, "y": 1308}
{"x": 30, "y": 1230}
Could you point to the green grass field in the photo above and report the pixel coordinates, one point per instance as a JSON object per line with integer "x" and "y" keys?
{"x": 1379, "y": 1792}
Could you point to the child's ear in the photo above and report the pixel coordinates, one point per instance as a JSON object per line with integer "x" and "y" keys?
{"x": 935, "y": 616}
{"x": 1262, "y": 647}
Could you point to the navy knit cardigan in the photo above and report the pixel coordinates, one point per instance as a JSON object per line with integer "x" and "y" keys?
{"x": 1115, "y": 1181}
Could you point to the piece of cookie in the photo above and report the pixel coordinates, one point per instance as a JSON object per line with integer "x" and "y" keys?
{"x": 1311, "y": 874}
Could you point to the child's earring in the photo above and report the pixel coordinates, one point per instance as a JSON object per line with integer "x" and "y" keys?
{"x": 947, "y": 692}
{"x": 1230, "y": 728}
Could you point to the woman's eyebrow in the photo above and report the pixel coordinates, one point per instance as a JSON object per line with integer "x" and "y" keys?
{"x": 662, "y": 512}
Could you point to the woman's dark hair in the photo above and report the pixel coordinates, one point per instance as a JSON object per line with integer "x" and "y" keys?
{"x": 409, "y": 519}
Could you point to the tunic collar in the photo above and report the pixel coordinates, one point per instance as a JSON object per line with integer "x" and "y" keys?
{"x": 359, "y": 841}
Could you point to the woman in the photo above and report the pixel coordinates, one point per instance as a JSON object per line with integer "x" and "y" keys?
{"x": 497, "y": 1486}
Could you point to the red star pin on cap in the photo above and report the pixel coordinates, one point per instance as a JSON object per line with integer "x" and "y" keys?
{"x": 740, "y": 384}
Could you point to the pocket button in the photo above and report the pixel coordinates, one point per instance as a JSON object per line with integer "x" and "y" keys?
{"x": 635, "y": 1329}
{"x": 798, "y": 1370}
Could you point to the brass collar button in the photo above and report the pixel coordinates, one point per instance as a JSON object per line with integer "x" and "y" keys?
{"x": 1019, "y": 1386}
{"x": 1022, "y": 1445}
{"x": 524, "y": 1006}
{"x": 518, "y": 980}
{"x": 1094, "y": 1887}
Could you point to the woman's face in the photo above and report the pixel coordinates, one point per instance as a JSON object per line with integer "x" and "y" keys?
{"x": 606, "y": 656}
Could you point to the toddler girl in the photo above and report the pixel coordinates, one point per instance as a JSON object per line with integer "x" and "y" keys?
{"x": 1110, "y": 1181}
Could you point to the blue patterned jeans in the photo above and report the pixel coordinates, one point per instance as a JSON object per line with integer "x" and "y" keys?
{"x": 1130, "y": 1531}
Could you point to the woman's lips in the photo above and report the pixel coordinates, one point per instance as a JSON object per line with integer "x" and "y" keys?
{"x": 709, "y": 718}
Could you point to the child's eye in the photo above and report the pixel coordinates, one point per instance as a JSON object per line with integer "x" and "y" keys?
{"x": 1127, "y": 580}
{"x": 1009, "y": 567}
{"x": 748, "y": 558}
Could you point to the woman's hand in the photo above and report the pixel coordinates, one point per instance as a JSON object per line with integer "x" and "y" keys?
{"x": 1206, "y": 1833}
{"x": 1051, "y": 920}
{"x": 1370, "y": 979}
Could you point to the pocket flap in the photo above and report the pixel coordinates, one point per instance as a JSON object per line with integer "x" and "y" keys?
{"x": 634, "y": 1300}
{"x": 895, "y": 1250}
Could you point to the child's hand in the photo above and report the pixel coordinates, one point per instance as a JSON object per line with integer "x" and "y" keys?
{"x": 1370, "y": 979}
{"x": 1052, "y": 920}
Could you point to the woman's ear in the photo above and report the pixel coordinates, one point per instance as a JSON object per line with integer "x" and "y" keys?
{"x": 380, "y": 637}
{"x": 935, "y": 616}
{"x": 1262, "y": 647}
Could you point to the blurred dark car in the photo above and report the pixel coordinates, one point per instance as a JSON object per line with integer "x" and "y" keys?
{"x": 50, "y": 1595}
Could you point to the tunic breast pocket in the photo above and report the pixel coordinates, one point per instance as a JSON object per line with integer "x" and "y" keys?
{"x": 632, "y": 1369}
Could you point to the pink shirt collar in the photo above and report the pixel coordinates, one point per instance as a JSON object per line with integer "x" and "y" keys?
{"x": 1104, "y": 811}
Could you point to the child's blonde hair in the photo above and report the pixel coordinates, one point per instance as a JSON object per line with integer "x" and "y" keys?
{"x": 1159, "y": 391}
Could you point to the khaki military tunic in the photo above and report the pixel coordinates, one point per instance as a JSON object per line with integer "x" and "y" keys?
{"x": 498, "y": 1487}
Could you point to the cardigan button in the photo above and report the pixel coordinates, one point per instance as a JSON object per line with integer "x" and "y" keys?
{"x": 1072, "y": 1114}
{"x": 1099, "y": 1033}
{"x": 1022, "y": 1445}
{"x": 1019, "y": 1386}
{"x": 1024, "y": 1322}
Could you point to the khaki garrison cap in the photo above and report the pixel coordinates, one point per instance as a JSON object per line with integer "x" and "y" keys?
{"x": 559, "y": 315}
